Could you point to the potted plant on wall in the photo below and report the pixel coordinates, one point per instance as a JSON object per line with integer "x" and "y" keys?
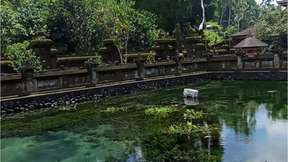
{"x": 21, "y": 56}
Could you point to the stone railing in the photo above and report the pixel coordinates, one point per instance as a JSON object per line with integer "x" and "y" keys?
{"x": 17, "y": 84}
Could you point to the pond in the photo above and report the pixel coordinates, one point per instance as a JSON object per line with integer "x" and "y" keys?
{"x": 232, "y": 121}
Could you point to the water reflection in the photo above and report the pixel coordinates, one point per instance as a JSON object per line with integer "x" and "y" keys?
{"x": 191, "y": 101}
{"x": 267, "y": 141}
{"x": 240, "y": 117}
{"x": 137, "y": 156}
{"x": 252, "y": 122}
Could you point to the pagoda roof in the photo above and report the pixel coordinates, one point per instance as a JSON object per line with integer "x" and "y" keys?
{"x": 250, "y": 42}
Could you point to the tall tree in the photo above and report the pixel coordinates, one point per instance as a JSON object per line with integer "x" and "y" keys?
{"x": 170, "y": 12}
{"x": 273, "y": 21}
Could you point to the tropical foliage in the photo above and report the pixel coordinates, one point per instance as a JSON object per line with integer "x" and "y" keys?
{"x": 273, "y": 21}
{"x": 239, "y": 13}
{"x": 80, "y": 26}
{"x": 22, "y": 56}
{"x": 176, "y": 11}
{"x": 215, "y": 34}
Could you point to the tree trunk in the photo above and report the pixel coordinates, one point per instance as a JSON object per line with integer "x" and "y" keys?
{"x": 238, "y": 25}
{"x": 221, "y": 16}
{"x": 221, "y": 13}
{"x": 229, "y": 16}
{"x": 126, "y": 48}
{"x": 202, "y": 25}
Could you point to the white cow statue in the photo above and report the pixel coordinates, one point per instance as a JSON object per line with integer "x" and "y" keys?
{"x": 191, "y": 93}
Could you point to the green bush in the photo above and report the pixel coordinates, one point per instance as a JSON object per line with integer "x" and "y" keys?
{"x": 21, "y": 55}
{"x": 213, "y": 35}
{"x": 11, "y": 28}
{"x": 230, "y": 30}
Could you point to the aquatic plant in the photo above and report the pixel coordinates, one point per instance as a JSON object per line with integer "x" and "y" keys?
{"x": 187, "y": 129}
{"x": 191, "y": 114}
{"x": 167, "y": 148}
{"x": 161, "y": 112}
{"x": 113, "y": 109}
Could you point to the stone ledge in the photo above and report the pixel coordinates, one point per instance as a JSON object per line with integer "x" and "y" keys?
{"x": 80, "y": 94}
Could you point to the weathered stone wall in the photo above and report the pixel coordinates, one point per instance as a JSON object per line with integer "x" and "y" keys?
{"x": 14, "y": 84}
{"x": 11, "y": 84}
{"x": 27, "y": 103}
{"x": 114, "y": 73}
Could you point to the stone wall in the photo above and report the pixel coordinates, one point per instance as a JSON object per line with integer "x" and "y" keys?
{"x": 54, "y": 79}
{"x": 51, "y": 100}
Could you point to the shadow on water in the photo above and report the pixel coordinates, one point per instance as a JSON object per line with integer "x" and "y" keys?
{"x": 231, "y": 121}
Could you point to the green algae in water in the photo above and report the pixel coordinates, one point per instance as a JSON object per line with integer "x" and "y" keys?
{"x": 161, "y": 112}
{"x": 65, "y": 146}
{"x": 248, "y": 116}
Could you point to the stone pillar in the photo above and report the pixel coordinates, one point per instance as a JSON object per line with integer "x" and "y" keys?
{"x": 92, "y": 70}
{"x": 223, "y": 65}
{"x": 162, "y": 70}
{"x": 276, "y": 61}
{"x": 140, "y": 68}
{"x": 258, "y": 64}
{"x": 179, "y": 60}
{"x": 61, "y": 85}
{"x": 239, "y": 62}
{"x": 53, "y": 58}
{"x": 28, "y": 84}
{"x": 42, "y": 48}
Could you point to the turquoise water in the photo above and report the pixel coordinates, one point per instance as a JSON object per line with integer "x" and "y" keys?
{"x": 251, "y": 117}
